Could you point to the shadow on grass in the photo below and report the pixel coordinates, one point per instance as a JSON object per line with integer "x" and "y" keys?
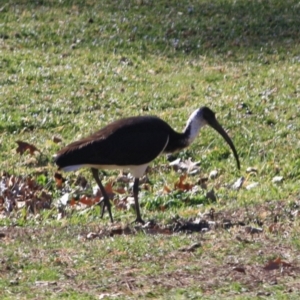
{"x": 186, "y": 27}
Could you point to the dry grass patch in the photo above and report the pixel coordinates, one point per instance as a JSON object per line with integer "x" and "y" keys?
{"x": 236, "y": 253}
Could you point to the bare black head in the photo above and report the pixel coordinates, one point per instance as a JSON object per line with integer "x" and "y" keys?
{"x": 207, "y": 116}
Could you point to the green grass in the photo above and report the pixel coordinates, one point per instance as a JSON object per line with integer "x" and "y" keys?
{"x": 67, "y": 68}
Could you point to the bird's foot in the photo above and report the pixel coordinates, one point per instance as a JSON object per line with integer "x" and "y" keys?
{"x": 105, "y": 203}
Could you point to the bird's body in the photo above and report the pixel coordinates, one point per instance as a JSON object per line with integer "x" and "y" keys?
{"x": 126, "y": 143}
{"x": 133, "y": 143}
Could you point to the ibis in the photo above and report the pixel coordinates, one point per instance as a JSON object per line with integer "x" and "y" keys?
{"x": 132, "y": 143}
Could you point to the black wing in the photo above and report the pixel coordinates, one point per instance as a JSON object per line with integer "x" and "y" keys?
{"x": 131, "y": 141}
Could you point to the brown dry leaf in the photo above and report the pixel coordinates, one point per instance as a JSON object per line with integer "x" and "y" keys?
{"x": 31, "y": 184}
{"x": 22, "y": 192}
{"x": 120, "y": 190}
{"x": 116, "y": 231}
{"x": 109, "y": 190}
{"x": 203, "y": 182}
{"x": 120, "y": 203}
{"x": 166, "y": 190}
{"x": 88, "y": 201}
{"x": 81, "y": 181}
{"x": 264, "y": 214}
{"x": 146, "y": 187}
{"x": 108, "y": 187}
{"x": 119, "y": 230}
{"x": 211, "y": 195}
{"x": 239, "y": 269}
{"x": 23, "y": 147}
{"x": 59, "y": 179}
{"x": 56, "y": 139}
{"x": 276, "y": 264}
{"x": 72, "y": 202}
{"x": 162, "y": 230}
{"x": 275, "y": 228}
{"x": 180, "y": 185}
{"x": 151, "y": 228}
{"x": 162, "y": 208}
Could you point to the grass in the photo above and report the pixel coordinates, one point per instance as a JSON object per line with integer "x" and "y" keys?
{"x": 68, "y": 68}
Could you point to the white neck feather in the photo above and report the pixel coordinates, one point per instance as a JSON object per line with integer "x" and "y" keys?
{"x": 193, "y": 125}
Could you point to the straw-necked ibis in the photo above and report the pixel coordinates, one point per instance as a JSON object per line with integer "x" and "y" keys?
{"x": 132, "y": 143}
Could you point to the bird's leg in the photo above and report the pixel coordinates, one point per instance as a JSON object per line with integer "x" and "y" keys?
{"x": 106, "y": 202}
{"x": 136, "y": 201}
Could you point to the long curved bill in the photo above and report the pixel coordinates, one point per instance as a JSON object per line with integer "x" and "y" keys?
{"x": 216, "y": 126}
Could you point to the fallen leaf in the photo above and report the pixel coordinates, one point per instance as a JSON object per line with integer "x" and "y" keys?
{"x": 180, "y": 185}
{"x": 252, "y": 185}
{"x": 109, "y": 296}
{"x": 119, "y": 230}
{"x": 130, "y": 203}
{"x": 276, "y": 264}
{"x": 202, "y": 182}
{"x": 253, "y": 230}
{"x": 157, "y": 230}
{"x": 191, "y": 248}
{"x": 211, "y": 195}
{"x": 187, "y": 165}
{"x": 72, "y": 202}
{"x": 59, "y": 179}
{"x": 120, "y": 190}
{"x": 175, "y": 162}
{"x": 88, "y": 201}
{"x": 108, "y": 188}
{"x": 11, "y": 181}
{"x": 238, "y": 184}
{"x": 277, "y": 179}
{"x": 166, "y": 189}
{"x": 213, "y": 174}
{"x": 81, "y": 181}
{"x": 239, "y": 269}
{"x": 64, "y": 199}
{"x": 45, "y": 283}
{"x": 30, "y": 183}
{"x": 243, "y": 240}
{"x": 56, "y": 139}
{"x": 120, "y": 203}
{"x": 123, "y": 179}
{"x": 92, "y": 235}
{"x": 275, "y": 228}
{"x": 251, "y": 170}
{"x": 23, "y": 147}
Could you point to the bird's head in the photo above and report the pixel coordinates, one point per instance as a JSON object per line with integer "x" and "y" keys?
{"x": 206, "y": 116}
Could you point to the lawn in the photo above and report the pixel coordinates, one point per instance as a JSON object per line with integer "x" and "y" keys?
{"x": 68, "y": 68}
